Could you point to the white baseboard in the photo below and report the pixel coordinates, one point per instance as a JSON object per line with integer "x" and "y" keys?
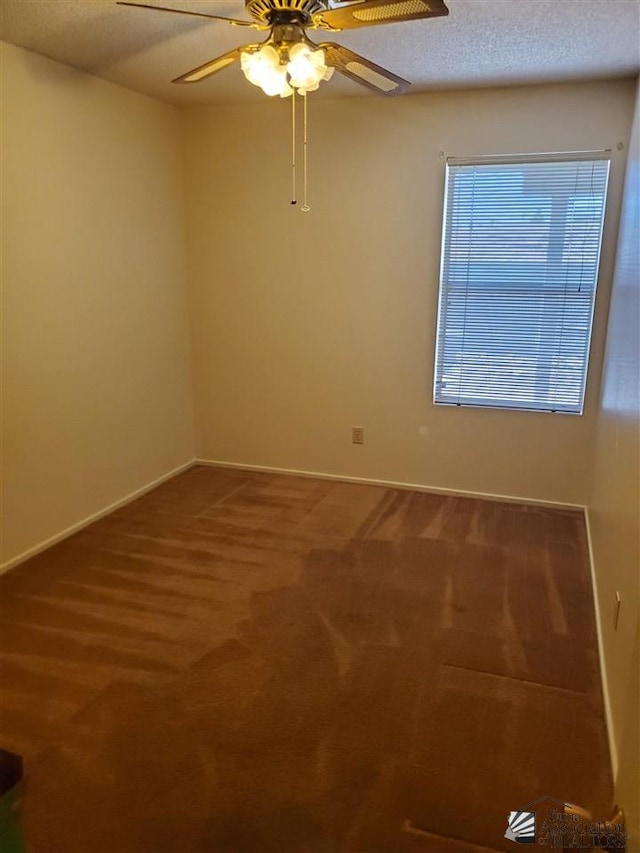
{"x": 392, "y": 484}
{"x": 613, "y": 752}
{"x": 320, "y": 475}
{"x": 69, "y": 531}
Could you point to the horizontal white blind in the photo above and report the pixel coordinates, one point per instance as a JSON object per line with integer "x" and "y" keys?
{"x": 520, "y": 254}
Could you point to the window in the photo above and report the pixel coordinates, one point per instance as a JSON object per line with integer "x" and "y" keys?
{"x": 520, "y": 252}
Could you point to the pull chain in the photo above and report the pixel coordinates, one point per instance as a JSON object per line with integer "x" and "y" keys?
{"x": 305, "y": 122}
{"x": 294, "y": 199}
{"x": 305, "y": 206}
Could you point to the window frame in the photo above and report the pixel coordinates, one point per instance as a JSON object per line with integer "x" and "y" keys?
{"x": 508, "y": 403}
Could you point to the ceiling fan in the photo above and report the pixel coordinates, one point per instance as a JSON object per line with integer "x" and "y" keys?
{"x": 289, "y": 61}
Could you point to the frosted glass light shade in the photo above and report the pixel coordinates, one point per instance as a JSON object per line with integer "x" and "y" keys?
{"x": 263, "y": 69}
{"x": 304, "y": 70}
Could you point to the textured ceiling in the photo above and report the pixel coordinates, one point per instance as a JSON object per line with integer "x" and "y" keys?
{"x": 482, "y": 42}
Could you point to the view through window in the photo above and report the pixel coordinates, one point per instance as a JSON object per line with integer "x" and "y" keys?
{"x": 520, "y": 253}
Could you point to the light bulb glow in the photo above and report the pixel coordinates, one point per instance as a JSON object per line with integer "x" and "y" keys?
{"x": 263, "y": 69}
{"x": 305, "y": 68}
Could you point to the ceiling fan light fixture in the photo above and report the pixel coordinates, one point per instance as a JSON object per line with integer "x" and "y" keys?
{"x": 288, "y": 61}
{"x": 262, "y": 68}
{"x": 307, "y": 68}
{"x": 303, "y": 71}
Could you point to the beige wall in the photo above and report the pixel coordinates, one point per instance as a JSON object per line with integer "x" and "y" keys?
{"x": 305, "y": 325}
{"x": 96, "y": 384}
{"x": 614, "y": 505}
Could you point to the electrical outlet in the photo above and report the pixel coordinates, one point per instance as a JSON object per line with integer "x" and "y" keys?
{"x": 357, "y": 435}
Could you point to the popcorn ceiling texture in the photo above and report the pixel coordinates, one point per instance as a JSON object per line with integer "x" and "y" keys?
{"x": 481, "y": 43}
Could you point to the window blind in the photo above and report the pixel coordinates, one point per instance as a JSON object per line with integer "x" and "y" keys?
{"x": 519, "y": 267}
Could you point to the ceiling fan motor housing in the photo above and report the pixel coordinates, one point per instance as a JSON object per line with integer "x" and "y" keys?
{"x": 277, "y": 11}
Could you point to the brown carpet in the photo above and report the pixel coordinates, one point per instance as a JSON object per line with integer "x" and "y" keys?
{"x": 271, "y": 664}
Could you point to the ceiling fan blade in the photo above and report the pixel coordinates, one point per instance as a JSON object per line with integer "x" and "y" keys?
{"x": 233, "y": 21}
{"x": 369, "y": 13}
{"x": 362, "y": 70}
{"x": 213, "y": 65}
